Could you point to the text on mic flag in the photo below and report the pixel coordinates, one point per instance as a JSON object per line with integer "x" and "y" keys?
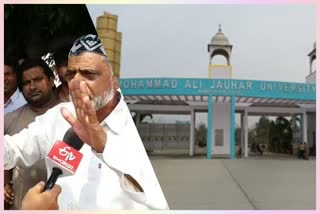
{"x": 65, "y": 156}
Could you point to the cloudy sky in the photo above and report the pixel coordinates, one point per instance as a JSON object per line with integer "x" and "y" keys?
{"x": 270, "y": 42}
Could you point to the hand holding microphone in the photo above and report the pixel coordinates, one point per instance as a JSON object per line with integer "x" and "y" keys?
{"x": 8, "y": 195}
{"x": 36, "y": 199}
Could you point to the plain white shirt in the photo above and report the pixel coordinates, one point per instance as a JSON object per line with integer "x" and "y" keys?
{"x": 99, "y": 181}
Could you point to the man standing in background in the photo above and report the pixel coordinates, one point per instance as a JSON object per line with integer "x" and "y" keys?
{"x": 13, "y": 98}
{"x": 36, "y": 81}
{"x": 60, "y": 57}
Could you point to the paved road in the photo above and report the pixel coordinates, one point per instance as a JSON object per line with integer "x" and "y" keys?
{"x": 263, "y": 183}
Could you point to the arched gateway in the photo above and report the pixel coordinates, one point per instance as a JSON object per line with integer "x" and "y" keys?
{"x": 245, "y": 96}
{"x": 222, "y": 97}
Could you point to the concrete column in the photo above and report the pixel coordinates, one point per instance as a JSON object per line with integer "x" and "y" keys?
{"x": 232, "y": 129}
{"x": 209, "y": 130}
{"x": 304, "y": 127}
{"x": 138, "y": 119}
{"x": 192, "y": 133}
{"x": 242, "y": 134}
{"x": 245, "y": 126}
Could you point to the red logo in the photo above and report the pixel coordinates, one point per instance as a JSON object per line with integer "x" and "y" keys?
{"x": 65, "y": 156}
{"x": 66, "y": 151}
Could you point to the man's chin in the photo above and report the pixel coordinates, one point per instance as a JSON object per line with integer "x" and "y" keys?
{"x": 97, "y": 107}
{"x": 99, "y": 103}
{"x": 34, "y": 100}
{"x": 6, "y": 90}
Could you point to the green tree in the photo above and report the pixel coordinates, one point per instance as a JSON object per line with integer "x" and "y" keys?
{"x": 295, "y": 122}
{"x": 282, "y": 135}
{"x": 35, "y": 29}
{"x": 262, "y": 130}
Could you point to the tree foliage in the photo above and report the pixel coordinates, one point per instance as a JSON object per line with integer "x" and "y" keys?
{"x": 283, "y": 134}
{"x": 262, "y": 130}
{"x": 48, "y": 23}
{"x": 277, "y": 134}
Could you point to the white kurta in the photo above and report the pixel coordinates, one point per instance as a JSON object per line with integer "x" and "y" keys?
{"x": 99, "y": 181}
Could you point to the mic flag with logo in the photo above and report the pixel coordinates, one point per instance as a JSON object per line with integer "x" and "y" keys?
{"x": 64, "y": 157}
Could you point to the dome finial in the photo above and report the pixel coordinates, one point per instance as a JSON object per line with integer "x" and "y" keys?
{"x": 220, "y": 28}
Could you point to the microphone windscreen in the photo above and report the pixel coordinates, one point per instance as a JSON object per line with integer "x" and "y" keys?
{"x": 72, "y": 139}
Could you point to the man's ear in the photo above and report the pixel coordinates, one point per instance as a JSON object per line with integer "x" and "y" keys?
{"x": 115, "y": 82}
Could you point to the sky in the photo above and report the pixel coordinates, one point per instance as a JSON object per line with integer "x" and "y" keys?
{"x": 270, "y": 42}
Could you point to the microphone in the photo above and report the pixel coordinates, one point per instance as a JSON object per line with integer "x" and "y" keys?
{"x": 64, "y": 157}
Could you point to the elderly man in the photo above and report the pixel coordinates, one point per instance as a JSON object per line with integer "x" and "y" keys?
{"x": 13, "y": 98}
{"x": 35, "y": 80}
{"x": 115, "y": 172}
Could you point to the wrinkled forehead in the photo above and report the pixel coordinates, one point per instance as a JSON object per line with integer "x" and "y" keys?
{"x": 86, "y": 60}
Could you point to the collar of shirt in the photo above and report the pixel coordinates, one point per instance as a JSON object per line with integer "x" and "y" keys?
{"x": 13, "y": 97}
{"x": 117, "y": 118}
